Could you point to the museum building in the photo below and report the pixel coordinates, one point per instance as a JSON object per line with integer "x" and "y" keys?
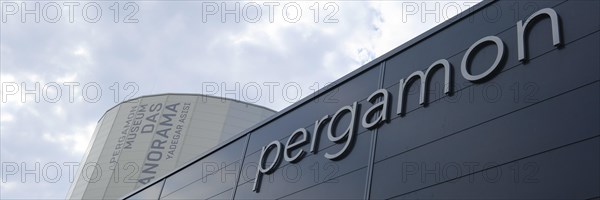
{"x": 482, "y": 106}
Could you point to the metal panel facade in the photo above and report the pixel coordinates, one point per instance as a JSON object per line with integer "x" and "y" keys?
{"x": 529, "y": 129}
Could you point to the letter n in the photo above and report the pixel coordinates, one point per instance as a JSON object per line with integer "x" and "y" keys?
{"x": 522, "y": 28}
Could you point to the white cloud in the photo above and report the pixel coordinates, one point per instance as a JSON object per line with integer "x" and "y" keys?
{"x": 82, "y": 51}
{"x": 8, "y": 186}
{"x": 6, "y": 117}
{"x": 75, "y": 141}
{"x": 67, "y": 77}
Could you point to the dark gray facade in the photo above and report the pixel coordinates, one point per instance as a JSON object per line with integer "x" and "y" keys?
{"x": 528, "y": 129}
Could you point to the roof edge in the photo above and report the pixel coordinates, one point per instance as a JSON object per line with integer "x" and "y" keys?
{"x": 184, "y": 94}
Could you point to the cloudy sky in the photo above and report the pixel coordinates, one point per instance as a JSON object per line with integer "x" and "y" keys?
{"x": 64, "y": 63}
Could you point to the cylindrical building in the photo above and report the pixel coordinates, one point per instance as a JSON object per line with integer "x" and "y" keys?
{"x": 144, "y": 138}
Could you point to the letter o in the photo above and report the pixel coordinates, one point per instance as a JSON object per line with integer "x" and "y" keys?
{"x": 85, "y": 172}
{"x": 98, "y": 9}
{"x": 84, "y": 92}
{"x": 258, "y": 12}
{"x": 463, "y": 67}
{"x": 58, "y": 172}
{"x": 58, "y": 12}
{"x": 285, "y": 12}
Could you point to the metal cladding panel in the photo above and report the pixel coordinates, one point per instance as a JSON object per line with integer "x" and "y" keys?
{"x": 505, "y": 140}
{"x": 88, "y": 171}
{"x": 557, "y": 174}
{"x": 109, "y": 155}
{"x": 208, "y": 177}
{"x": 150, "y": 193}
{"x": 527, "y": 130}
{"x": 321, "y": 145}
{"x": 501, "y": 96}
{"x": 209, "y": 116}
{"x": 311, "y": 171}
{"x": 524, "y": 110}
{"x": 225, "y": 195}
{"x": 346, "y": 186}
{"x": 165, "y": 145}
{"x": 239, "y": 117}
{"x": 169, "y": 132}
{"x": 77, "y": 192}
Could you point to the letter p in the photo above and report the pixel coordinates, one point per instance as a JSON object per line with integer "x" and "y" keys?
{"x": 209, "y": 88}
{"x": 14, "y": 9}
{"x": 209, "y": 8}
{"x": 409, "y": 8}
{"x": 9, "y": 168}
{"x": 14, "y": 88}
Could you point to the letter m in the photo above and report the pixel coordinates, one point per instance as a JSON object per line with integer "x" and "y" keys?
{"x": 424, "y": 80}
{"x": 168, "y": 119}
